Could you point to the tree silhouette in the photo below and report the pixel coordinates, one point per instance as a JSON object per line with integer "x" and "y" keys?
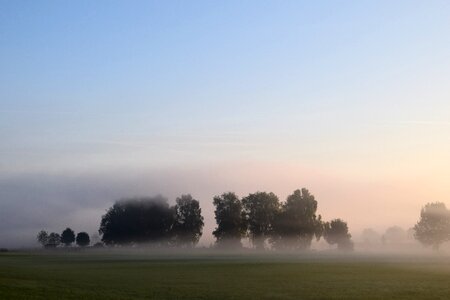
{"x": 83, "y": 239}
{"x": 53, "y": 240}
{"x": 188, "y": 225}
{"x": 230, "y": 221}
{"x": 260, "y": 210}
{"x": 67, "y": 237}
{"x": 296, "y": 224}
{"x": 42, "y": 237}
{"x": 137, "y": 220}
{"x": 433, "y": 227}
{"x": 336, "y": 232}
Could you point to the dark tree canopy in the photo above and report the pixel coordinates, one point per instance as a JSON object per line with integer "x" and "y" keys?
{"x": 433, "y": 228}
{"x": 336, "y": 232}
{"x": 51, "y": 240}
{"x": 260, "y": 210}
{"x": 83, "y": 239}
{"x": 67, "y": 237}
{"x": 137, "y": 220}
{"x": 230, "y": 221}
{"x": 296, "y": 224}
{"x": 188, "y": 224}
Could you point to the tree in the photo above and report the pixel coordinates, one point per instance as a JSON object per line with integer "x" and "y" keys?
{"x": 188, "y": 225}
{"x": 394, "y": 235}
{"x": 83, "y": 239}
{"x": 53, "y": 240}
{"x": 260, "y": 210}
{"x": 336, "y": 232}
{"x": 67, "y": 237}
{"x": 433, "y": 228}
{"x": 370, "y": 237}
{"x": 230, "y": 221}
{"x": 296, "y": 224}
{"x": 42, "y": 237}
{"x": 137, "y": 220}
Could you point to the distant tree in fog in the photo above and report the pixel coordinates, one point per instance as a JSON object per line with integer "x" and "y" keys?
{"x": 394, "y": 235}
{"x": 230, "y": 221}
{"x": 83, "y": 239}
{"x": 42, "y": 237}
{"x": 336, "y": 232}
{"x": 297, "y": 224}
{"x": 53, "y": 240}
{"x": 260, "y": 210}
{"x": 410, "y": 232}
{"x": 370, "y": 237}
{"x": 433, "y": 228}
{"x": 67, "y": 237}
{"x": 98, "y": 245}
{"x": 137, "y": 220}
{"x": 188, "y": 225}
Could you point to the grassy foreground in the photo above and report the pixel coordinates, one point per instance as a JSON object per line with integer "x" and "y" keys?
{"x": 205, "y": 276}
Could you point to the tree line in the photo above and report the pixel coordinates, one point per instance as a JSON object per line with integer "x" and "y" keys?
{"x": 269, "y": 223}
{"x": 261, "y": 217}
{"x": 67, "y": 238}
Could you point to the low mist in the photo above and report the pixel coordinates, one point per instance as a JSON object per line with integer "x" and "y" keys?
{"x": 53, "y": 201}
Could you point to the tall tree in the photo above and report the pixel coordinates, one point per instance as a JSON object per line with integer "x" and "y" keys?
{"x": 188, "y": 225}
{"x": 433, "y": 228}
{"x": 83, "y": 239}
{"x": 42, "y": 237}
{"x": 230, "y": 221}
{"x": 137, "y": 220}
{"x": 67, "y": 237}
{"x": 297, "y": 223}
{"x": 336, "y": 232}
{"x": 260, "y": 209}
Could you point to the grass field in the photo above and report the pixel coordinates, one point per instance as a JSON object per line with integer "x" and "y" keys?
{"x": 205, "y": 276}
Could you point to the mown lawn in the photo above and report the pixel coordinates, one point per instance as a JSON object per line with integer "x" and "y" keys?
{"x": 130, "y": 276}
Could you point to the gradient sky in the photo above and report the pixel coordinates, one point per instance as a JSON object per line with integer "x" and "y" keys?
{"x": 348, "y": 98}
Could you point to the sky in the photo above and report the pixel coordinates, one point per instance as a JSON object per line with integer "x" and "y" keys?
{"x": 101, "y": 100}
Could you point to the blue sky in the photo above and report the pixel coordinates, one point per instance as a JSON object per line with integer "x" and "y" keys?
{"x": 120, "y": 72}
{"x": 350, "y": 89}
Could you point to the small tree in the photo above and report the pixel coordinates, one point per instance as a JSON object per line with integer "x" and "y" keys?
{"x": 394, "y": 235}
{"x": 370, "y": 237}
{"x": 83, "y": 239}
{"x": 42, "y": 238}
{"x": 67, "y": 237}
{"x": 433, "y": 227}
{"x": 54, "y": 240}
{"x": 336, "y": 232}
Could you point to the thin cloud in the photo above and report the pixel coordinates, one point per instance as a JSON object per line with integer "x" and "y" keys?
{"x": 418, "y": 122}
{"x": 72, "y": 113}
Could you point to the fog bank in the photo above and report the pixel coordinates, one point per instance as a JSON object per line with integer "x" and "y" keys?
{"x": 30, "y": 202}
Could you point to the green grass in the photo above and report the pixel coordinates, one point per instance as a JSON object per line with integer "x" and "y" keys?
{"x": 206, "y": 276}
